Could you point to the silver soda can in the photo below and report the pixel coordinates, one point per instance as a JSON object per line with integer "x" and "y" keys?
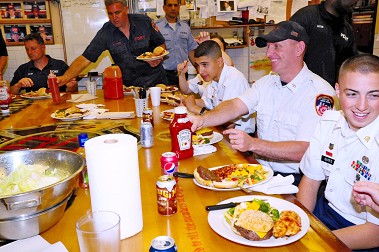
{"x": 146, "y": 133}
{"x": 163, "y": 244}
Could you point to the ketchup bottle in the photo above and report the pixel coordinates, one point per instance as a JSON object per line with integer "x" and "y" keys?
{"x": 181, "y": 135}
{"x": 53, "y": 86}
{"x": 5, "y": 96}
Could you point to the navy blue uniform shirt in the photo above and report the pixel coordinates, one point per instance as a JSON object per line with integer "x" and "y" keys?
{"x": 39, "y": 77}
{"x": 144, "y": 37}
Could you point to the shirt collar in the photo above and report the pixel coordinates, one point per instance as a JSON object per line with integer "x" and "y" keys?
{"x": 223, "y": 77}
{"x": 367, "y": 135}
{"x": 166, "y": 23}
{"x": 298, "y": 81}
{"x": 48, "y": 65}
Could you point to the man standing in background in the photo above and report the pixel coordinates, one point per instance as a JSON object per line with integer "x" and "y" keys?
{"x": 126, "y": 36}
{"x": 3, "y": 55}
{"x": 179, "y": 40}
{"x": 331, "y": 37}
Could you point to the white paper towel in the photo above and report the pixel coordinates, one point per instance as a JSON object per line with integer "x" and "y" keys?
{"x": 114, "y": 182}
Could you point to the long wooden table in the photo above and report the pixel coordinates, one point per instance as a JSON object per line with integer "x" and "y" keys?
{"x": 189, "y": 226}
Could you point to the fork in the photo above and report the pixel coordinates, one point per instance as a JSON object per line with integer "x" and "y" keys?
{"x": 246, "y": 190}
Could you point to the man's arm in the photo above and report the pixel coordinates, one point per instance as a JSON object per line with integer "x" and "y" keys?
{"x": 359, "y": 236}
{"x": 191, "y": 57}
{"x": 226, "y": 111}
{"x": 307, "y": 194}
{"x": 285, "y": 151}
{"x": 3, "y": 62}
{"x": 74, "y": 70}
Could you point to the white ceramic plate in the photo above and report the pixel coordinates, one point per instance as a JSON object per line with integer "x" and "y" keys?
{"x": 217, "y": 137}
{"x": 153, "y": 58}
{"x": 67, "y": 119}
{"x": 268, "y": 177}
{"x": 218, "y": 223}
{"x": 41, "y": 97}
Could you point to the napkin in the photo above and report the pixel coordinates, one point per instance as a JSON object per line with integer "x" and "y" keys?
{"x": 81, "y": 97}
{"x": 278, "y": 185}
{"x": 115, "y": 115}
{"x": 33, "y": 244}
{"x": 203, "y": 149}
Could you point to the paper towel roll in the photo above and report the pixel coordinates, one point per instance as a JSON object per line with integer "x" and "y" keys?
{"x": 113, "y": 174}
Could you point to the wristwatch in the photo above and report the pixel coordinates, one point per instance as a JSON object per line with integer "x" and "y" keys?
{"x": 202, "y": 110}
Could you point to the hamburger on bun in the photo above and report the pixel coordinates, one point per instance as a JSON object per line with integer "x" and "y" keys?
{"x": 159, "y": 51}
{"x": 210, "y": 178}
{"x": 254, "y": 225}
{"x": 162, "y": 86}
{"x": 205, "y": 133}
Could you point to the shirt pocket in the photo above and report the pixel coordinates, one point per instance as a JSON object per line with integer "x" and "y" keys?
{"x": 286, "y": 125}
{"x": 264, "y": 117}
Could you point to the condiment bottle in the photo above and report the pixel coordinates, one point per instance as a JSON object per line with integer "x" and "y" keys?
{"x": 83, "y": 177}
{"x": 181, "y": 135}
{"x": 112, "y": 82}
{"x": 5, "y": 96}
{"x": 53, "y": 86}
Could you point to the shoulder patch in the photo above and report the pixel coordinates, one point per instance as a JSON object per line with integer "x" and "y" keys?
{"x": 154, "y": 26}
{"x": 323, "y": 102}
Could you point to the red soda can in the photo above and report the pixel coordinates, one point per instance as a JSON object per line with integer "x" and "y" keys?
{"x": 169, "y": 163}
{"x": 166, "y": 195}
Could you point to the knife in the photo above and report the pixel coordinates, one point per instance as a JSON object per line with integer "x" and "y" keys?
{"x": 221, "y": 206}
{"x": 183, "y": 175}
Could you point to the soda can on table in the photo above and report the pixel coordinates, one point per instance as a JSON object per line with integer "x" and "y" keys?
{"x": 166, "y": 195}
{"x": 169, "y": 163}
{"x": 163, "y": 243}
{"x": 146, "y": 133}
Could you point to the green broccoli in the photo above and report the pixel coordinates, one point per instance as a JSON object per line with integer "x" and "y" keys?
{"x": 274, "y": 214}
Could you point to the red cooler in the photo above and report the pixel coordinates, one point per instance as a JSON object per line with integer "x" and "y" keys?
{"x": 112, "y": 82}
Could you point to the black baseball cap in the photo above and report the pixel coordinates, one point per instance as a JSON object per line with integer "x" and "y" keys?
{"x": 284, "y": 30}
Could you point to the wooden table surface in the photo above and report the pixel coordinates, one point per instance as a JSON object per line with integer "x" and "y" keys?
{"x": 189, "y": 226}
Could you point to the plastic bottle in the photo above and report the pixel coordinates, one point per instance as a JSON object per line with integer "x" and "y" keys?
{"x": 83, "y": 177}
{"x": 5, "y": 96}
{"x": 113, "y": 87}
{"x": 53, "y": 86}
{"x": 181, "y": 135}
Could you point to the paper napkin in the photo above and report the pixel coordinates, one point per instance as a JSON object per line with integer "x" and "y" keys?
{"x": 278, "y": 185}
{"x": 33, "y": 244}
{"x": 115, "y": 115}
{"x": 81, "y": 97}
{"x": 203, "y": 149}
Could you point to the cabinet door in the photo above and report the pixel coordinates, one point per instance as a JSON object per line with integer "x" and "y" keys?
{"x": 363, "y": 34}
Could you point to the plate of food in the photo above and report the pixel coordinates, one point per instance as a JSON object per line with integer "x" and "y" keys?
{"x": 260, "y": 221}
{"x": 168, "y": 115}
{"x": 127, "y": 90}
{"x": 36, "y": 95}
{"x": 206, "y": 136}
{"x": 232, "y": 177}
{"x": 158, "y": 53}
{"x": 69, "y": 114}
{"x": 167, "y": 89}
{"x": 170, "y": 99}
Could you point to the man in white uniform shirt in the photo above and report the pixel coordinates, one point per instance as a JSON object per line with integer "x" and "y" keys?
{"x": 289, "y": 104}
{"x": 224, "y": 83}
{"x": 343, "y": 150}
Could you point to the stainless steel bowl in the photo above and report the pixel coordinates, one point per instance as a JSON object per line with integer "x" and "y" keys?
{"x": 19, "y": 207}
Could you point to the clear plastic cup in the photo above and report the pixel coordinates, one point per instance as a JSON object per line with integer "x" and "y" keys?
{"x": 141, "y": 104}
{"x": 99, "y": 231}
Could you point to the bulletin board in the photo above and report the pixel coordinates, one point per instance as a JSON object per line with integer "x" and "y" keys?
{"x": 81, "y": 19}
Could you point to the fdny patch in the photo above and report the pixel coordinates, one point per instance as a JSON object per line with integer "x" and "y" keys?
{"x": 323, "y": 103}
{"x": 154, "y": 26}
